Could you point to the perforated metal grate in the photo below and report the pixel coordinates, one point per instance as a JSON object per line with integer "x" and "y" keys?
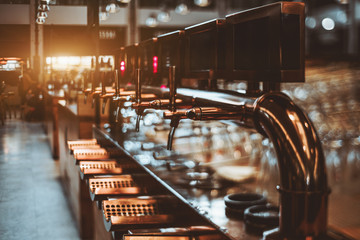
{"x": 84, "y": 142}
{"x": 122, "y": 213}
{"x": 99, "y": 165}
{"x": 130, "y": 210}
{"x": 111, "y": 183}
{"x": 83, "y": 154}
{"x": 92, "y": 146}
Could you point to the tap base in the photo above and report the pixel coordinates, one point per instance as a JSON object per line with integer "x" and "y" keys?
{"x": 274, "y": 234}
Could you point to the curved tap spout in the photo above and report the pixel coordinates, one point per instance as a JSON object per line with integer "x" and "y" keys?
{"x": 175, "y": 119}
{"x": 86, "y": 93}
{"x": 303, "y": 189}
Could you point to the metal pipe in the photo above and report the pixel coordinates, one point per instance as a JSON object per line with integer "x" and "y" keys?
{"x": 117, "y": 84}
{"x": 303, "y": 188}
{"x": 172, "y": 87}
{"x": 138, "y": 99}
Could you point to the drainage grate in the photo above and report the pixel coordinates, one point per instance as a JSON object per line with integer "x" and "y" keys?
{"x": 91, "y": 154}
{"x": 156, "y": 237}
{"x": 99, "y": 167}
{"x": 84, "y": 142}
{"x": 112, "y": 182}
{"x": 133, "y": 211}
{"x": 116, "y": 185}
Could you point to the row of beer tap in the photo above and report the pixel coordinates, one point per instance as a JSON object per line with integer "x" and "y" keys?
{"x": 177, "y": 72}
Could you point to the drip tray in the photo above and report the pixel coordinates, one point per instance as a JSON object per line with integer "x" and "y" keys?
{"x": 103, "y": 187}
{"x": 174, "y": 233}
{"x": 90, "y": 168}
{"x": 156, "y": 237}
{"x": 90, "y": 154}
{"x": 81, "y": 147}
{"x": 83, "y": 142}
{"x": 141, "y": 212}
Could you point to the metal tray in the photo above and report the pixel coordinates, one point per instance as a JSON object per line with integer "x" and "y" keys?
{"x": 90, "y": 154}
{"x": 103, "y": 187}
{"x": 122, "y": 214}
{"x": 81, "y": 142}
{"x": 91, "y": 168}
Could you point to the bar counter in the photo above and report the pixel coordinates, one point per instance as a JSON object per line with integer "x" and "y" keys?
{"x": 209, "y": 201}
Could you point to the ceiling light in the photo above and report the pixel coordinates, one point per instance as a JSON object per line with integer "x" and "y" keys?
{"x": 124, "y": 1}
{"x": 151, "y": 21}
{"x": 40, "y": 20}
{"x": 182, "y": 9}
{"x": 42, "y": 15}
{"x": 341, "y": 17}
{"x": 328, "y": 24}
{"x": 112, "y": 8}
{"x": 164, "y": 16}
{"x": 310, "y": 22}
{"x": 202, "y": 3}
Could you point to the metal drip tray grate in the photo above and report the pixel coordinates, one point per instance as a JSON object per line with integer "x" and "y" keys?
{"x": 95, "y": 146}
{"x": 174, "y": 233}
{"x": 99, "y": 167}
{"x": 91, "y": 154}
{"x": 121, "y": 213}
{"x": 156, "y": 237}
{"x": 100, "y": 188}
{"x": 81, "y": 143}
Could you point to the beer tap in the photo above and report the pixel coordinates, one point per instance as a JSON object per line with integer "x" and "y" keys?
{"x": 117, "y": 99}
{"x": 174, "y": 114}
{"x": 139, "y": 111}
{"x": 88, "y": 91}
{"x": 303, "y": 186}
{"x": 103, "y": 92}
{"x": 139, "y": 96}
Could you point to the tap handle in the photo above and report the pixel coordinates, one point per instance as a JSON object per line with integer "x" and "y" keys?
{"x": 172, "y": 87}
{"x": 139, "y": 111}
{"x": 93, "y": 101}
{"x": 92, "y": 79}
{"x": 103, "y": 89}
{"x": 104, "y": 100}
{"x": 117, "y": 84}
{"x": 138, "y": 86}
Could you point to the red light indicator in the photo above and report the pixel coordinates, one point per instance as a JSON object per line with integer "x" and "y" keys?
{"x": 155, "y": 64}
{"x": 163, "y": 86}
{"x": 122, "y": 67}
